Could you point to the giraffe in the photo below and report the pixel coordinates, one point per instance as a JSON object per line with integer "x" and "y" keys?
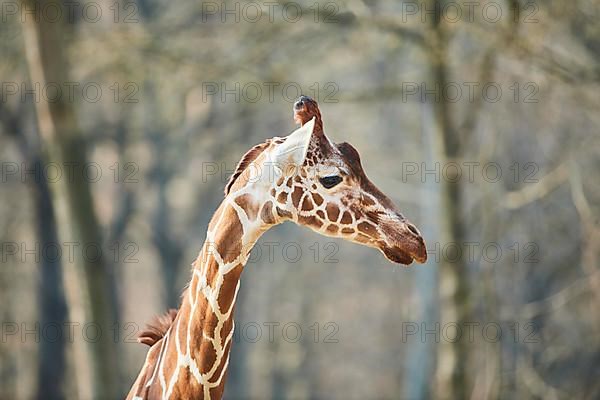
{"x": 304, "y": 178}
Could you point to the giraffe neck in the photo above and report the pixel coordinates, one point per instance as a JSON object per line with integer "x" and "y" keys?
{"x": 191, "y": 360}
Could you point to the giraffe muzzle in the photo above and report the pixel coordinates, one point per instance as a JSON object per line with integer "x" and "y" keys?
{"x": 404, "y": 244}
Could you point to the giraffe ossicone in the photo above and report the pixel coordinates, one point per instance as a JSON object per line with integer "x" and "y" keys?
{"x": 304, "y": 178}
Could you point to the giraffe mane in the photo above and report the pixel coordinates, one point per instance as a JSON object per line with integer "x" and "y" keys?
{"x": 157, "y": 328}
{"x": 246, "y": 160}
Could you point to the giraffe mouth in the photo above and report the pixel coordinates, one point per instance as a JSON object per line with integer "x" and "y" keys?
{"x": 397, "y": 255}
{"x": 407, "y": 244}
{"x": 400, "y": 256}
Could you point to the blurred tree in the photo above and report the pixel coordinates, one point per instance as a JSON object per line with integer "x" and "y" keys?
{"x": 45, "y": 42}
{"x": 51, "y": 298}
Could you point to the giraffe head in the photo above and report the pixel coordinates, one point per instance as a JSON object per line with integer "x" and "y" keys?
{"x": 308, "y": 179}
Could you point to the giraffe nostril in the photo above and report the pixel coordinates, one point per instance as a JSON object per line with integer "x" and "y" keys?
{"x": 413, "y": 229}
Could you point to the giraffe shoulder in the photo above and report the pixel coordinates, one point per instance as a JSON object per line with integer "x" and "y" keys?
{"x": 157, "y": 328}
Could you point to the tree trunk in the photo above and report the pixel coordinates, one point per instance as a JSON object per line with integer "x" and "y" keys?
{"x": 52, "y": 303}
{"x": 422, "y": 357}
{"x": 44, "y": 42}
{"x": 454, "y": 274}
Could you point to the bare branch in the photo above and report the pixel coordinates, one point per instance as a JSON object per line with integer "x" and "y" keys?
{"x": 539, "y": 190}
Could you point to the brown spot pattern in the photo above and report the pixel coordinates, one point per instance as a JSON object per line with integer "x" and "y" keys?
{"x": 346, "y": 218}
{"x": 332, "y": 212}
{"x": 296, "y": 195}
{"x": 283, "y": 213}
{"x": 215, "y": 377}
{"x": 266, "y": 214}
{"x": 367, "y": 228}
{"x": 249, "y": 205}
{"x": 229, "y": 237}
{"x": 317, "y": 199}
{"x": 215, "y": 218}
{"x": 307, "y": 204}
{"x": 282, "y": 198}
{"x": 310, "y": 221}
{"x": 228, "y": 288}
{"x": 362, "y": 238}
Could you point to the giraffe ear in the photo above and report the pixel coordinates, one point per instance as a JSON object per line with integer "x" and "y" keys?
{"x": 293, "y": 150}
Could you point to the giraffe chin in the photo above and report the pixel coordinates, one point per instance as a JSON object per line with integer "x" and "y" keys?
{"x": 399, "y": 256}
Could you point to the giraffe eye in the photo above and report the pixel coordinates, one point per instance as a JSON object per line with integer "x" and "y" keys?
{"x": 330, "y": 181}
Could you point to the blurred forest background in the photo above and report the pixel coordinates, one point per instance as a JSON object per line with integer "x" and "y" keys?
{"x": 120, "y": 122}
